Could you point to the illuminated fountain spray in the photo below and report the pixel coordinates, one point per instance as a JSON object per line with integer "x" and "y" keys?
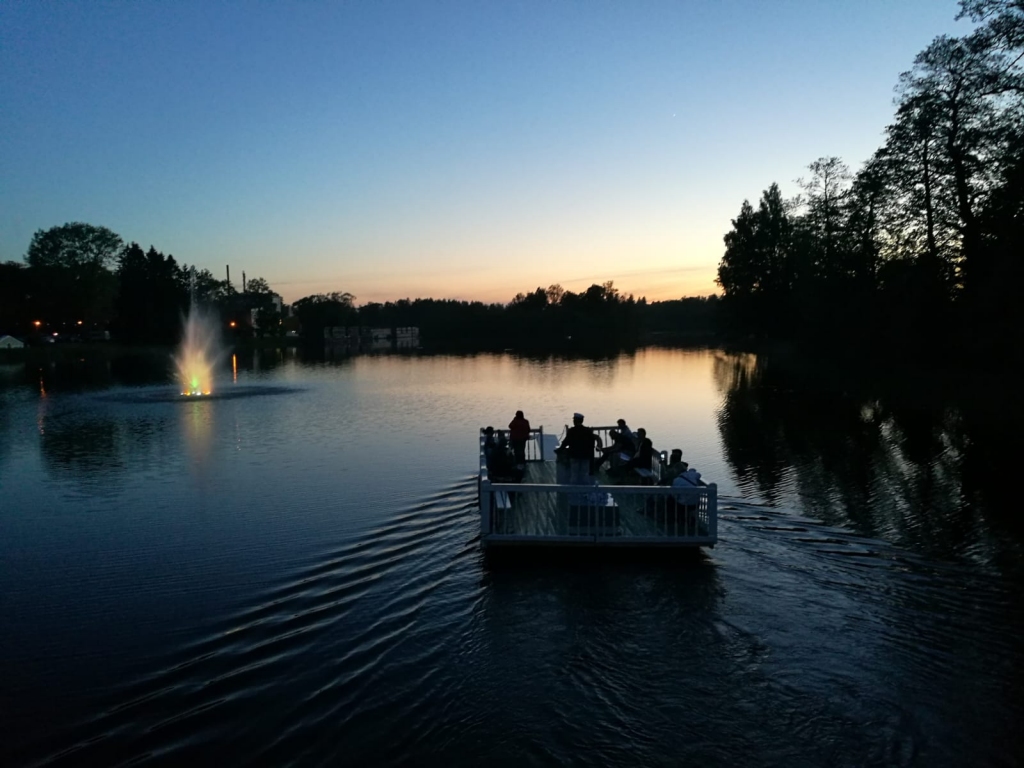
{"x": 200, "y": 348}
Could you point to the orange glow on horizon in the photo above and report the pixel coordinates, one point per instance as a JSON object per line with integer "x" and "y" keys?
{"x": 493, "y": 288}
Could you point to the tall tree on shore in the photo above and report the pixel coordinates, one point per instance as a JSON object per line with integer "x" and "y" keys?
{"x": 73, "y": 246}
{"x": 151, "y": 297}
{"x": 325, "y": 310}
{"x": 71, "y": 263}
{"x": 826, "y": 190}
{"x": 761, "y": 267}
{"x": 866, "y": 207}
{"x": 950, "y": 88}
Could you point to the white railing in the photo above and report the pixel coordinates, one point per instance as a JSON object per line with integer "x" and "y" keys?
{"x": 534, "y": 446}
{"x": 607, "y": 514}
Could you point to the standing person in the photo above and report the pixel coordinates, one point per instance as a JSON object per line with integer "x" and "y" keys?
{"x": 518, "y": 434}
{"x": 579, "y": 443}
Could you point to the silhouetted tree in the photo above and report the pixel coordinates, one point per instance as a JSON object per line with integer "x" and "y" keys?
{"x": 152, "y": 296}
{"x": 73, "y": 246}
{"x": 325, "y": 310}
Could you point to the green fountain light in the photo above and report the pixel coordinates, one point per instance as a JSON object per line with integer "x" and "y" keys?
{"x": 199, "y": 352}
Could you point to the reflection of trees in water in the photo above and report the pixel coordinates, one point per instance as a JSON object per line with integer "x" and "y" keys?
{"x": 262, "y": 358}
{"x": 915, "y": 464}
{"x": 91, "y": 451}
{"x": 96, "y": 451}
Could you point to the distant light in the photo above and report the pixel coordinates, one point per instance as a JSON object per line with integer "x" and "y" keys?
{"x": 37, "y": 323}
{"x": 232, "y": 323}
{"x": 79, "y": 322}
{"x": 54, "y": 333}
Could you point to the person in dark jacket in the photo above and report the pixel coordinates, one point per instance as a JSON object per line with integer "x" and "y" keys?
{"x": 620, "y": 445}
{"x": 644, "y": 452}
{"x": 518, "y": 434}
{"x": 579, "y": 444}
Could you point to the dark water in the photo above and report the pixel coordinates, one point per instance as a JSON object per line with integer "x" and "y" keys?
{"x": 295, "y": 577}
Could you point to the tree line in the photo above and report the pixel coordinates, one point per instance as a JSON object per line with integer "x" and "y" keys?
{"x": 79, "y": 277}
{"x": 546, "y": 316}
{"x": 925, "y": 241}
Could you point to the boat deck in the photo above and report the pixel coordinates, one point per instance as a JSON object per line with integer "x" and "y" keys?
{"x": 545, "y": 509}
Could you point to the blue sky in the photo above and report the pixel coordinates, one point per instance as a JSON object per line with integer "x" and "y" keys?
{"x": 451, "y": 149}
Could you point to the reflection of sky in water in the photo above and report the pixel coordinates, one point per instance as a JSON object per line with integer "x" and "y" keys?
{"x": 306, "y": 562}
{"x": 365, "y": 423}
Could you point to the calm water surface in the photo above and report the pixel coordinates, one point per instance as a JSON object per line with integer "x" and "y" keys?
{"x": 292, "y": 574}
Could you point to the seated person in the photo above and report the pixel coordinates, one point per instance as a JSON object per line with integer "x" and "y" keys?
{"x": 629, "y": 442}
{"x": 675, "y": 467}
{"x": 688, "y": 482}
{"x": 502, "y": 466}
{"x": 489, "y": 443}
{"x": 619, "y": 444}
{"x": 642, "y": 459}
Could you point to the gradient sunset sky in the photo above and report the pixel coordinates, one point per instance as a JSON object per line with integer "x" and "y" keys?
{"x": 465, "y": 150}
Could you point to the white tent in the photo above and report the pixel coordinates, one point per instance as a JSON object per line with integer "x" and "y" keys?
{"x": 9, "y": 342}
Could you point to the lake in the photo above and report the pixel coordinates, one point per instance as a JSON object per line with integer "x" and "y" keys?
{"x": 290, "y": 573}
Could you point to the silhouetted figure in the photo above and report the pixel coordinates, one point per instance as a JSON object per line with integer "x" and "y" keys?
{"x": 674, "y": 468}
{"x": 579, "y": 444}
{"x": 518, "y": 434}
{"x": 688, "y": 483}
{"x": 644, "y": 455}
{"x": 628, "y": 437}
{"x": 489, "y": 445}
{"x": 620, "y": 445}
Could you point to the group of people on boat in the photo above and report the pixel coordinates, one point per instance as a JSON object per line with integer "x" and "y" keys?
{"x": 505, "y": 453}
{"x": 627, "y": 451}
{"x": 506, "y": 457}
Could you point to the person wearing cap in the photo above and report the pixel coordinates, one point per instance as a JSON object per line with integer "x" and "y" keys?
{"x": 579, "y": 444}
{"x": 518, "y": 434}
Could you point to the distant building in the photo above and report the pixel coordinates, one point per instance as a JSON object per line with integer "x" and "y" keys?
{"x": 372, "y": 338}
{"x": 9, "y": 342}
{"x": 407, "y": 337}
{"x": 276, "y": 304}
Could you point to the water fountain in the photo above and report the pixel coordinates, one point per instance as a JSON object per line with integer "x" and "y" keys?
{"x": 200, "y": 348}
{"x": 196, "y": 361}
